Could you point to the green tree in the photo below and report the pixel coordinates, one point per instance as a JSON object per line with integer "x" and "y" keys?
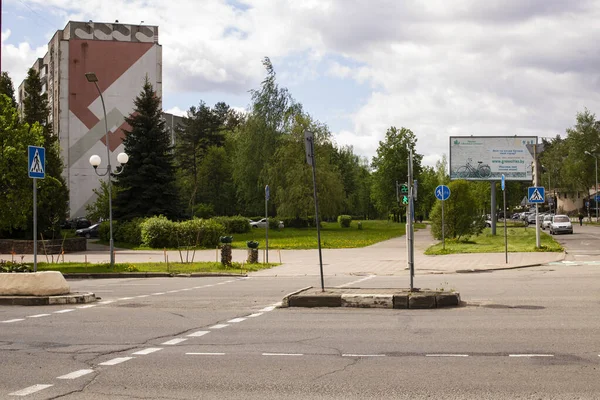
{"x": 15, "y": 187}
{"x": 579, "y": 168}
{"x": 460, "y": 217}
{"x": 427, "y": 182}
{"x": 99, "y": 208}
{"x": 215, "y": 181}
{"x": 7, "y": 88}
{"x": 391, "y": 165}
{"x": 146, "y": 187}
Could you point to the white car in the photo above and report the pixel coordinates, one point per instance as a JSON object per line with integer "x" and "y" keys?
{"x": 561, "y": 224}
{"x": 547, "y": 221}
{"x": 263, "y": 224}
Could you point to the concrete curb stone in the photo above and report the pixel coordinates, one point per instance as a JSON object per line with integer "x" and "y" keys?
{"x": 72, "y": 298}
{"x": 121, "y": 275}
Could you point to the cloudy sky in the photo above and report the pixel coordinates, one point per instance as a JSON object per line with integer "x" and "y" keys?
{"x": 438, "y": 67}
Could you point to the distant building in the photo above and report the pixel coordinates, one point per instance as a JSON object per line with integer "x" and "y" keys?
{"x": 122, "y": 56}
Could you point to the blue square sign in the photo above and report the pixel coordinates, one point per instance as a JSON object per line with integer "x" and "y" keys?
{"x": 36, "y": 166}
{"x": 536, "y": 194}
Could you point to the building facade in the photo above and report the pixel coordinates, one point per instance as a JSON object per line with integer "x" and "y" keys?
{"x": 121, "y": 56}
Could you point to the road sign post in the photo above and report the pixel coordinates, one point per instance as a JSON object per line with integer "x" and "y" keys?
{"x": 310, "y": 159}
{"x": 442, "y": 192}
{"x": 267, "y": 195}
{"x": 35, "y": 170}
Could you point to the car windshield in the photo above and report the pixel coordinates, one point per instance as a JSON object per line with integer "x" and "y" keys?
{"x": 561, "y": 218}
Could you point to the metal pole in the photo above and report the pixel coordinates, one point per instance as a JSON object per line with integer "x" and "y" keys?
{"x": 411, "y": 260}
{"x": 505, "y": 236}
{"x": 493, "y": 206}
{"x": 267, "y": 229}
{"x": 35, "y": 225}
{"x": 109, "y": 169}
{"x": 537, "y": 208}
{"x": 443, "y": 227}
{"x": 314, "y": 173}
{"x": 596, "y": 188}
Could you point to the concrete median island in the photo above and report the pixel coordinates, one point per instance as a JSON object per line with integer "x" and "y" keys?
{"x": 371, "y": 298}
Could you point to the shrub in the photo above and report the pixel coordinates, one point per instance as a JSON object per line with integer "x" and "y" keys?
{"x": 237, "y": 224}
{"x": 198, "y": 232}
{"x": 158, "y": 232}
{"x": 461, "y": 219}
{"x": 104, "y": 231}
{"x": 344, "y": 220}
{"x": 13, "y": 266}
{"x": 298, "y": 222}
{"x": 128, "y": 231}
{"x": 204, "y": 210}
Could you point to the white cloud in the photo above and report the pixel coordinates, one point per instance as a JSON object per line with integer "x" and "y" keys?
{"x": 176, "y": 111}
{"x": 18, "y": 59}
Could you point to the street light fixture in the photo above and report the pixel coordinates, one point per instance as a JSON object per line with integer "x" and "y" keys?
{"x": 596, "y": 187}
{"x": 95, "y": 161}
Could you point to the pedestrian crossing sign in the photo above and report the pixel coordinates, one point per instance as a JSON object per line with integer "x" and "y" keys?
{"x": 37, "y": 162}
{"x": 535, "y": 194}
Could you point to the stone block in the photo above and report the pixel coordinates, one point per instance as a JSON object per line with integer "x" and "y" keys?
{"x": 46, "y": 283}
{"x": 368, "y": 300}
{"x": 421, "y": 301}
{"x": 334, "y": 300}
{"x": 447, "y": 299}
{"x": 401, "y": 300}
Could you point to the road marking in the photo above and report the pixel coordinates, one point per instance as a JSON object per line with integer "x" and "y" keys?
{"x": 158, "y": 294}
{"x": 446, "y": 355}
{"x": 218, "y": 326}
{"x": 185, "y": 290}
{"x": 143, "y": 296}
{"x": 8, "y": 321}
{"x": 205, "y": 354}
{"x": 30, "y": 390}
{"x": 363, "y": 355}
{"x": 283, "y": 354}
{"x": 267, "y": 309}
{"x": 198, "y": 334}
{"x": 76, "y": 374}
{"x": 38, "y": 315}
{"x": 64, "y": 311}
{"x": 116, "y": 361}
{"x": 255, "y": 315}
{"x": 126, "y": 298}
{"x": 174, "y": 341}
{"x": 531, "y": 355}
{"x": 172, "y": 291}
{"x": 87, "y": 306}
{"x": 147, "y": 351}
{"x": 236, "y": 320}
{"x": 357, "y": 281}
{"x": 107, "y": 302}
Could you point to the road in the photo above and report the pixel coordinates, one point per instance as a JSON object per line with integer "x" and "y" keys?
{"x": 523, "y": 334}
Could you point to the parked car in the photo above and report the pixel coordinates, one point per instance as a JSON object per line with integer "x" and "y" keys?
{"x": 90, "y": 232}
{"x": 76, "y": 223}
{"x": 561, "y": 224}
{"x": 263, "y": 223}
{"x": 547, "y": 221}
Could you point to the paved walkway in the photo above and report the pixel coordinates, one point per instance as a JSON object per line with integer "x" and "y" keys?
{"x": 384, "y": 258}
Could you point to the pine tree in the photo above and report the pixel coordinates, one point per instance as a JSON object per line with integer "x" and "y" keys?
{"x": 7, "y": 88}
{"x": 147, "y": 186}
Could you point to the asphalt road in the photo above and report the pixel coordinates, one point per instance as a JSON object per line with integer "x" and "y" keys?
{"x": 522, "y": 334}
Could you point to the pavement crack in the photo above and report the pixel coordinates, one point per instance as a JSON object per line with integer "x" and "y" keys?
{"x": 350, "y": 364}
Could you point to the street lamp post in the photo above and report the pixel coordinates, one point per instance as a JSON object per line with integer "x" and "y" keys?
{"x": 95, "y": 161}
{"x": 595, "y": 187}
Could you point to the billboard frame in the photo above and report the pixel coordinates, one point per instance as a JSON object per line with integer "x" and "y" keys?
{"x": 483, "y": 171}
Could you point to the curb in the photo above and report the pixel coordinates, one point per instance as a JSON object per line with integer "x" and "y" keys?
{"x": 121, "y": 275}
{"x": 75, "y": 298}
{"x": 370, "y": 299}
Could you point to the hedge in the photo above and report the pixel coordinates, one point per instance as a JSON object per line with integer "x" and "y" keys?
{"x": 237, "y": 224}
{"x": 344, "y": 220}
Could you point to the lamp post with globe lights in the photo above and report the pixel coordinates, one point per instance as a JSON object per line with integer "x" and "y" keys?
{"x": 596, "y": 187}
{"x": 95, "y": 161}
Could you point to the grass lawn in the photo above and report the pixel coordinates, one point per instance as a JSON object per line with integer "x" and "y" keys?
{"x": 519, "y": 240}
{"x": 176, "y": 268}
{"x": 332, "y": 236}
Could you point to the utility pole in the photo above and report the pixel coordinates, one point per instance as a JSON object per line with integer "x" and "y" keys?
{"x": 409, "y": 223}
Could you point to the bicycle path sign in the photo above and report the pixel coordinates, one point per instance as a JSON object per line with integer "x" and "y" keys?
{"x": 442, "y": 192}
{"x": 535, "y": 194}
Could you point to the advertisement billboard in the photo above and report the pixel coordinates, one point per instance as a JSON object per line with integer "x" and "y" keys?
{"x": 486, "y": 158}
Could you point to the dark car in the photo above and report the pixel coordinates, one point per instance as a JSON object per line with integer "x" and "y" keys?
{"x": 91, "y": 232}
{"x": 76, "y": 223}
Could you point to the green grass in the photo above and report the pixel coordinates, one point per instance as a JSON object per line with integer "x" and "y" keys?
{"x": 175, "y": 268}
{"x": 519, "y": 240}
{"x": 332, "y": 236}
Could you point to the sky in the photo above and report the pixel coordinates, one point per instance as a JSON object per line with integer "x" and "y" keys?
{"x": 438, "y": 67}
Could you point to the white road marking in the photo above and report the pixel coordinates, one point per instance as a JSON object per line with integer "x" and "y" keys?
{"x": 8, "y": 321}
{"x": 205, "y": 354}
{"x": 158, "y": 294}
{"x": 173, "y": 291}
{"x": 218, "y": 326}
{"x": 38, "y": 315}
{"x": 531, "y": 355}
{"x": 198, "y": 334}
{"x": 87, "y": 306}
{"x": 116, "y": 361}
{"x": 107, "y": 302}
{"x": 143, "y": 296}
{"x": 236, "y": 320}
{"x": 255, "y": 315}
{"x": 126, "y": 298}
{"x": 363, "y": 355}
{"x": 76, "y": 374}
{"x": 30, "y": 390}
{"x": 174, "y": 341}
{"x": 446, "y": 355}
{"x": 221, "y": 283}
{"x": 267, "y": 309}
{"x": 64, "y": 311}
{"x": 283, "y": 354}
{"x": 147, "y": 351}
{"x": 185, "y": 290}
{"x": 357, "y": 281}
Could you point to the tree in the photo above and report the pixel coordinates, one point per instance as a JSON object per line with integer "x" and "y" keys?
{"x": 98, "y": 210}
{"x": 460, "y": 217}
{"x": 7, "y": 88}
{"x": 54, "y": 192}
{"x": 391, "y": 165}
{"x": 146, "y": 187}
{"x": 15, "y": 187}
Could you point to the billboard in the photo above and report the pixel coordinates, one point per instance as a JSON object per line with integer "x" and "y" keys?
{"x": 486, "y": 158}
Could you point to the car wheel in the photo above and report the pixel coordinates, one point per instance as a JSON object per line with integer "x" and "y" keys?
{"x": 87, "y": 236}
{"x": 254, "y": 226}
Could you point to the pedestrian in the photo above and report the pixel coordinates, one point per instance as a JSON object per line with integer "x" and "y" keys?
{"x": 580, "y": 219}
